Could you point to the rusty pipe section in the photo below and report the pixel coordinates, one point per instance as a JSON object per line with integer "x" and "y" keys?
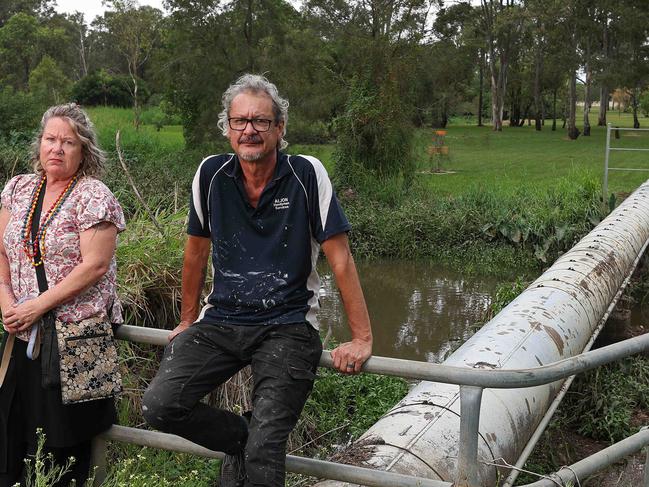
{"x": 553, "y": 319}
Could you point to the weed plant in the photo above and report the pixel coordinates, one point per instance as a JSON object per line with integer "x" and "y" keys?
{"x": 601, "y": 403}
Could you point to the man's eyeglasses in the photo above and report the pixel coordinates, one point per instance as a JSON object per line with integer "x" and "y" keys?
{"x": 259, "y": 124}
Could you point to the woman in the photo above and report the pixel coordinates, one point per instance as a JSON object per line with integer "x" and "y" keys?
{"x": 75, "y": 242}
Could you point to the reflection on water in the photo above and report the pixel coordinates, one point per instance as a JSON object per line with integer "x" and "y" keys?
{"x": 419, "y": 311}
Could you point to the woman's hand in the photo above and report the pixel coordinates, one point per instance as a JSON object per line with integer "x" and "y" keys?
{"x": 5, "y": 309}
{"x": 21, "y": 316}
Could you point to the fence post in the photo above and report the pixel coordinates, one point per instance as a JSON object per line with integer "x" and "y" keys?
{"x": 98, "y": 459}
{"x": 467, "y": 461}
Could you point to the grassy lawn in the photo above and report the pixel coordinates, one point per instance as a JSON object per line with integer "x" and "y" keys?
{"x": 522, "y": 156}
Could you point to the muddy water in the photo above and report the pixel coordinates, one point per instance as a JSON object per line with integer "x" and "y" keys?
{"x": 419, "y": 311}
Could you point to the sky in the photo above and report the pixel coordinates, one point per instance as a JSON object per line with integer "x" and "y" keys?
{"x": 92, "y": 8}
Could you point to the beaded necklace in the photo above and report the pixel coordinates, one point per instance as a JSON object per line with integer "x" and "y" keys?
{"x": 33, "y": 245}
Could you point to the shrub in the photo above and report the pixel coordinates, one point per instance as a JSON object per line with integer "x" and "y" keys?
{"x": 19, "y": 112}
{"x": 303, "y": 131}
{"x": 101, "y": 88}
{"x": 374, "y": 135}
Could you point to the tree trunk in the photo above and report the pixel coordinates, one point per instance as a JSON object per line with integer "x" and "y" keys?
{"x": 587, "y": 99}
{"x": 481, "y": 91}
{"x": 573, "y": 131}
{"x": 82, "y": 54}
{"x": 497, "y": 99}
{"x": 538, "y": 66}
{"x": 526, "y": 116}
{"x": 554, "y": 110}
{"x": 634, "y": 105}
{"x": 603, "y": 106}
{"x": 136, "y": 105}
{"x": 604, "y": 90}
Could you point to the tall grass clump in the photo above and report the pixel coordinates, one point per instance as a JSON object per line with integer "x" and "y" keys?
{"x": 374, "y": 138}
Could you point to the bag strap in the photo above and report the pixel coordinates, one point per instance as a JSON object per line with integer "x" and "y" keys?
{"x": 6, "y": 357}
{"x": 36, "y": 220}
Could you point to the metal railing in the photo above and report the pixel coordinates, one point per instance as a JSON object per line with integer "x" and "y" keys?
{"x": 609, "y": 128}
{"x": 472, "y": 382}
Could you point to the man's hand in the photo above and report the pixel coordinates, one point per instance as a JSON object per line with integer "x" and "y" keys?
{"x": 182, "y": 326}
{"x": 349, "y": 357}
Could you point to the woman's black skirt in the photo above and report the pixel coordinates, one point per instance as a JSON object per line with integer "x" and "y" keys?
{"x": 25, "y": 406}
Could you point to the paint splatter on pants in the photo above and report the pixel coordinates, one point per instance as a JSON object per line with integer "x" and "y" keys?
{"x": 283, "y": 359}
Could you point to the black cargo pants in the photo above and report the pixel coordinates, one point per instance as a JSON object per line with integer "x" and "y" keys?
{"x": 283, "y": 358}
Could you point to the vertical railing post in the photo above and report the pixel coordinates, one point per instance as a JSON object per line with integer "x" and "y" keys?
{"x": 98, "y": 459}
{"x": 608, "y": 150}
{"x": 467, "y": 461}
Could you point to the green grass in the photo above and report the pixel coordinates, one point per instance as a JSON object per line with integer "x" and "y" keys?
{"x": 521, "y": 156}
{"x": 109, "y": 120}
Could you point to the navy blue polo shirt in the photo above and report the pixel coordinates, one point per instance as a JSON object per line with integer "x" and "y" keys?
{"x": 264, "y": 258}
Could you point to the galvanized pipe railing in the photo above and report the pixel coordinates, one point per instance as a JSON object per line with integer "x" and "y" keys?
{"x": 492, "y": 378}
{"x": 609, "y": 149}
{"x": 596, "y": 462}
{"x": 471, "y": 381}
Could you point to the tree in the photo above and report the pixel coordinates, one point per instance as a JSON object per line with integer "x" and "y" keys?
{"x": 501, "y": 25}
{"x": 633, "y": 58}
{"x": 135, "y": 32}
{"x": 48, "y": 84}
{"x": 34, "y": 8}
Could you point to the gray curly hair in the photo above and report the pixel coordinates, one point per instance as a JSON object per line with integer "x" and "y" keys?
{"x": 93, "y": 158}
{"x": 254, "y": 83}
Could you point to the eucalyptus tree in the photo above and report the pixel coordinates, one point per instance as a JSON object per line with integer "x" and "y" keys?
{"x": 502, "y": 23}
{"x": 541, "y": 18}
{"x": 134, "y": 32}
{"x": 446, "y": 67}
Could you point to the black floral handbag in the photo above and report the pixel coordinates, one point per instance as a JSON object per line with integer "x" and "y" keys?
{"x": 88, "y": 363}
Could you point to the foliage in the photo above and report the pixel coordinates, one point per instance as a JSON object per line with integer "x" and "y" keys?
{"x": 541, "y": 222}
{"x": 102, "y": 88}
{"x": 23, "y": 43}
{"x": 374, "y": 137}
{"x": 344, "y": 407}
{"x": 48, "y": 84}
{"x": 42, "y": 471}
{"x": 505, "y": 294}
{"x": 19, "y": 112}
{"x": 644, "y": 103}
{"x": 601, "y": 402}
{"x": 143, "y": 467}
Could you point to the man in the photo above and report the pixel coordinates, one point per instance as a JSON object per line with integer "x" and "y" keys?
{"x": 264, "y": 215}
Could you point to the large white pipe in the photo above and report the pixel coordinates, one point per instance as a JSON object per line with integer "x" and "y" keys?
{"x": 553, "y": 319}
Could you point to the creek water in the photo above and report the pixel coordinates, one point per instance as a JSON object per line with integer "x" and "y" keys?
{"x": 419, "y": 310}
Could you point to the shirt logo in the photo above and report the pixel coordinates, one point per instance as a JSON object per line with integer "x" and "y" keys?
{"x": 281, "y": 203}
